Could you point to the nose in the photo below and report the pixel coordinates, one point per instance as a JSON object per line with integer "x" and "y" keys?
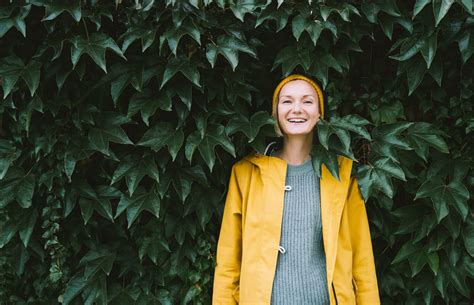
{"x": 297, "y": 107}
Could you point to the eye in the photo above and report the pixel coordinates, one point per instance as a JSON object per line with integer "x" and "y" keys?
{"x": 283, "y": 102}
{"x": 308, "y": 101}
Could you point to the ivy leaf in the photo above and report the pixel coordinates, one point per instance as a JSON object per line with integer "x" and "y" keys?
{"x": 468, "y": 236}
{"x": 27, "y": 224}
{"x": 175, "y": 33}
{"x": 183, "y": 179}
{"x": 153, "y": 246}
{"x": 442, "y": 195}
{"x": 415, "y": 73}
{"x": 54, "y": 9}
{"x": 387, "y": 138}
{"x": 240, "y": 8}
{"x": 183, "y": 65}
{"x": 17, "y": 185}
{"x": 419, "y": 5}
{"x": 371, "y": 11}
{"x": 249, "y": 127}
{"x": 456, "y": 278}
{"x": 467, "y": 4}
{"x": 409, "y": 47}
{"x": 387, "y": 22}
{"x": 95, "y": 46}
{"x": 100, "y": 138}
{"x": 325, "y": 130}
{"x": 292, "y": 56}
{"x": 13, "y": 16}
{"x": 341, "y": 127}
{"x": 101, "y": 205}
{"x": 466, "y": 44}
{"x": 24, "y": 190}
{"x": 440, "y": 9}
{"x": 428, "y": 51}
{"x": 423, "y": 135}
{"x": 229, "y": 47}
{"x": 134, "y": 170}
{"x": 184, "y": 92}
{"x": 280, "y": 16}
{"x": 99, "y": 258}
{"x": 302, "y": 23}
{"x": 90, "y": 199}
{"x": 433, "y": 262}
{"x": 145, "y": 33}
{"x": 140, "y": 201}
{"x": 12, "y": 68}
{"x": 405, "y": 252}
{"x": 74, "y": 287}
{"x": 8, "y": 154}
{"x": 163, "y": 134}
{"x": 215, "y": 136}
{"x": 319, "y": 156}
{"x": 203, "y": 210}
{"x": 378, "y": 175}
{"x": 147, "y": 102}
{"x": 25, "y": 116}
{"x": 387, "y": 113}
{"x": 21, "y": 221}
{"x": 123, "y": 75}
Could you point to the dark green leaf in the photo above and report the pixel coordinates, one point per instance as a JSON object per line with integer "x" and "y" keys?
{"x": 12, "y": 68}
{"x": 215, "y": 136}
{"x": 249, "y": 127}
{"x": 94, "y": 46}
{"x": 54, "y": 9}
{"x": 175, "y": 33}
{"x": 378, "y": 176}
{"x": 228, "y": 47}
{"x": 440, "y": 9}
{"x": 468, "y": 236}
{"x": 442, "y": 195}
{"x": 183, "y": 65}
{"x": 161, "y": 135}
{"x": 419, "y": 5}
{"x": 147, "y": 102}
{"x": 142, "y": 200}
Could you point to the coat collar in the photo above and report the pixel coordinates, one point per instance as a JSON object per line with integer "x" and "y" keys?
{"x": 333, "y": 194}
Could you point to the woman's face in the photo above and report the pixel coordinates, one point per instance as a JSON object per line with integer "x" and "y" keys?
{"x": 298, "y": 108}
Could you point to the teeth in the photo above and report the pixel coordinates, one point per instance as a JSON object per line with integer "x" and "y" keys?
{"x": 297, "y": 121}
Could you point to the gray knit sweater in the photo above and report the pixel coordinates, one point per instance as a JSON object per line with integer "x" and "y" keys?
{"x": 300, "y": 276}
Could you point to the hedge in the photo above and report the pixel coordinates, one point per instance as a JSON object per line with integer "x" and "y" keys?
{"x": 120, "y": 121}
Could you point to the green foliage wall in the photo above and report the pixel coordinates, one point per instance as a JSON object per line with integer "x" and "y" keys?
{"x": 120, "y": 121}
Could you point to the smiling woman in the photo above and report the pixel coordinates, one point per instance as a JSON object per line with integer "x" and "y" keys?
{"x": 288, "y": 236}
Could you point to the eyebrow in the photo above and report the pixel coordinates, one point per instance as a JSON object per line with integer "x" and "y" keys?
{"x": 303, "y": 95}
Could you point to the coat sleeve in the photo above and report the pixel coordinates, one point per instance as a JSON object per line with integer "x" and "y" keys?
{"x": 363, "y": 265}
{"x": 229, "y": 247}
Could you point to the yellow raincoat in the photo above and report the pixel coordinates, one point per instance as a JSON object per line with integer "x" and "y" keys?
{"x": 249, "y": 237}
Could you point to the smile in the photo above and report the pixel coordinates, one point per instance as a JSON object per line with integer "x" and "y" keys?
{"x": 297, "y": 121}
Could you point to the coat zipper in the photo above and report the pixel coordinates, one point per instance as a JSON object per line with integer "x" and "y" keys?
{"x": 334, "y": 290}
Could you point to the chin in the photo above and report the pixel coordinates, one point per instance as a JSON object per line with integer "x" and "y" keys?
{"x": 296, "y": 133}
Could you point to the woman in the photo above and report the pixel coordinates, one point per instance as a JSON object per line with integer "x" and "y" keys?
{"x": 288, "y": 237}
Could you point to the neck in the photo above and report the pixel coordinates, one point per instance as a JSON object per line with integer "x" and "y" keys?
{"x": 296, "y": 149}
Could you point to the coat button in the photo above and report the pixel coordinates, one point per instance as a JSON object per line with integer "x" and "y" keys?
{"x": 287, "y": 187}
{"x": 281, "y": 249}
